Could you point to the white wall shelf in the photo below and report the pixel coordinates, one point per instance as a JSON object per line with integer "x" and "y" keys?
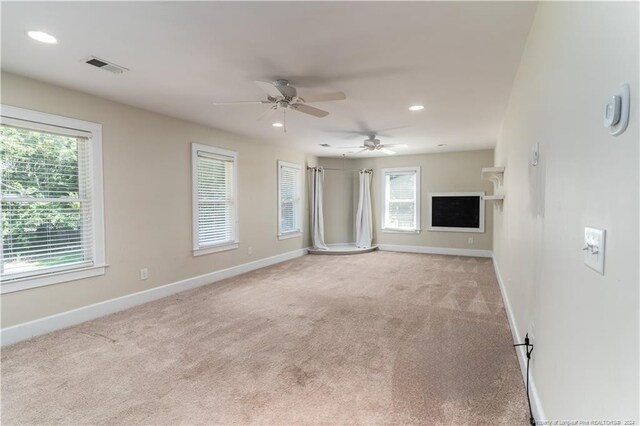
{"x": 495, "y": 175}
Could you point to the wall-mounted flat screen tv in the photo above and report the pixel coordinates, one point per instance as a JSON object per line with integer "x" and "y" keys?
{"x": 456, "y": 211}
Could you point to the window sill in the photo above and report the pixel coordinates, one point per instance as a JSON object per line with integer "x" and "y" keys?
{"x": 216, "y": 249}
{"x": 400, "y": 231}
{"x": 51, "y": 278}
{"x": 289, "y": 235}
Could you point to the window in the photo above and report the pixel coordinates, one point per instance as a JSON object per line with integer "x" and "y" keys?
{"x": 215, "y": 195}
{"x": 401, "y": 199}
{"x": 50, "y": 199}
{"x": 289, "y": 200}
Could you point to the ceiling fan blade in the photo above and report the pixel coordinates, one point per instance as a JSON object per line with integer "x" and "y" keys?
{"x": 241, "y": 103}
{"x": 324, "y": 97}
{"x": 347, "y": 134}
{"x": 397, "y": 145}
{"x": 386, "y": 151}
{"x": 344, "y": 135}
{"x": 270, "y": 88}
{"x": 268, "y": 112}
{"x": 384, "y": 132}
{"x": 309, "y": 110}
{"x": 350, "y": 147}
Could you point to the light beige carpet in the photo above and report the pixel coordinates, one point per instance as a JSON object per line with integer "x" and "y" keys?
{"x": 377, "y": 338}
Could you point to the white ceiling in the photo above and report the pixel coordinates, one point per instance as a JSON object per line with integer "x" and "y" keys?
{"x": 458, "y": 59}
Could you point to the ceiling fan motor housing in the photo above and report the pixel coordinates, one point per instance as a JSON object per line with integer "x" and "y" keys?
{"x": 286, "y": 90}
{"x": 372, "y": 143}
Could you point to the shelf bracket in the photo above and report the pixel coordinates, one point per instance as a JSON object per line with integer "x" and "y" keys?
{"x": 496, "y": 176}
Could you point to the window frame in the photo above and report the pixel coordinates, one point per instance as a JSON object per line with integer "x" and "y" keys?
{"x": 298, "y": 232}
{"x": 44, "y": 122}
{"x": 383, "y": 199}
{"x": 198, "y": 250}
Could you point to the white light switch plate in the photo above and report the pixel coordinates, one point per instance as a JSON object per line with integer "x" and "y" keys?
{"x": 593, "y": 248}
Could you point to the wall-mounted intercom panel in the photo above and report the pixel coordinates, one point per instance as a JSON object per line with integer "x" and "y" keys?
{"x": 616, "y": 111}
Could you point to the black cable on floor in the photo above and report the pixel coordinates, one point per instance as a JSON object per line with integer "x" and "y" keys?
{"x": 527, "y": 343}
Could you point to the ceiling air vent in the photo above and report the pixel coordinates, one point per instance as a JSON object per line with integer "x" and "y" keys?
{"x": 105, "y": 65}
{"x": 326, "y": 145}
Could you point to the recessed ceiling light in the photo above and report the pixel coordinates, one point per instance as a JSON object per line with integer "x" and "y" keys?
{"x": 277, "y": 124}
{"x": 416, "y": 107}
{"x": 42, "y": 37}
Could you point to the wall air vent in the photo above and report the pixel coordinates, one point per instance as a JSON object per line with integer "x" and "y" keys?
{"x": 105, "y": 65}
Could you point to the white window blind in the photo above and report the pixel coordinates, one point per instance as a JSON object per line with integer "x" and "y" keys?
{"x": 45, "y": 200}
{"x": 289, "y": 198}
{"x": 401, "y": 199}
{"x": 215, "y": 197}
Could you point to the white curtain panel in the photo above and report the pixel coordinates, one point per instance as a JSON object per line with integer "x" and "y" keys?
{"x": 364, "y": 222}
{"x": 317, "y": 220}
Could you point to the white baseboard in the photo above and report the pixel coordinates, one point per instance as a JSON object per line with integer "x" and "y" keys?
{"x": 66, "y": 319}
{"x": 436, "y": 250}
{"x": 536, "y": 405}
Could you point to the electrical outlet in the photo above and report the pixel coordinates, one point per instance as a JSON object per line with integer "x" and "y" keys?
{"x": 144, "y": 273}
{"x": 250, "y": 251}
{"x": 470, "y": 240}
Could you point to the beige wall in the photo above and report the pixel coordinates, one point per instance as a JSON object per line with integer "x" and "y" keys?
{"x": 340, "y": 189}
{"x": 445, "y": 172}
{"x": 585, "y": 325}
{"x": 147, "y": 187}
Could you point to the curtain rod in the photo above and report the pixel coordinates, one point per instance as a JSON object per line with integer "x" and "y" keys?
{"x": 340, "y": 170}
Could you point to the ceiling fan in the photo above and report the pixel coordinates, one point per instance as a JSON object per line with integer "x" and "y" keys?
{"x": 373, "y": 144}
{"x": 282, "y": 95}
